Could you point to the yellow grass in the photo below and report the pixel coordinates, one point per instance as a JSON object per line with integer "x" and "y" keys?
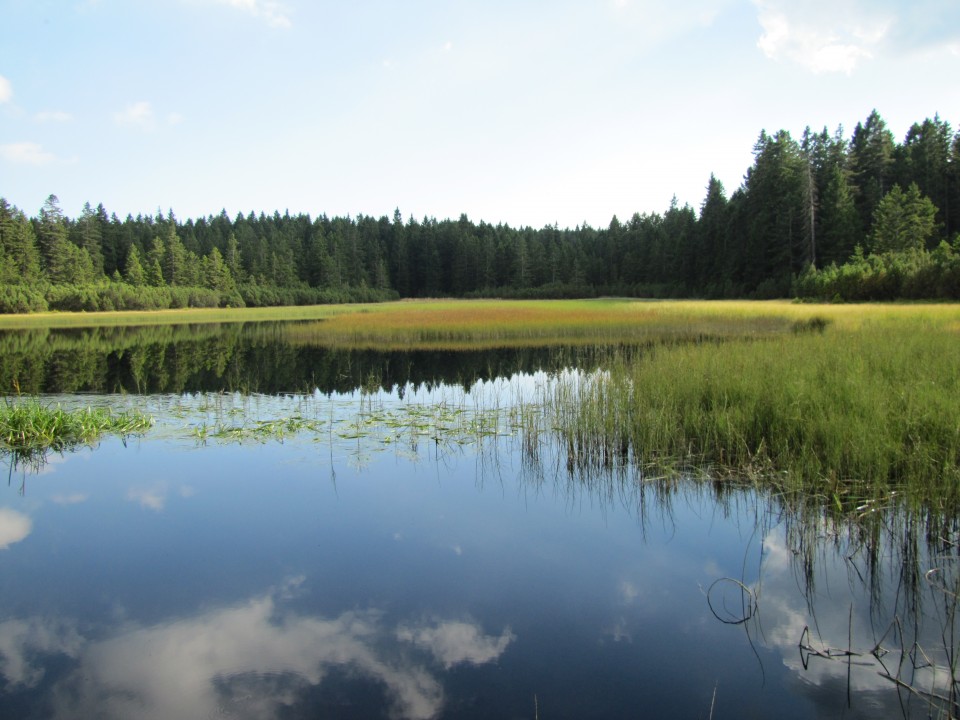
{"x": 492, "y": 323}
{"x": 170, "y": 317}
{"x": 455, "y": 324}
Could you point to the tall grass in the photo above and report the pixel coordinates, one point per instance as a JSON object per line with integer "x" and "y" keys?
{"x": 850, "y": 410}
{"x": 29, "y": 426}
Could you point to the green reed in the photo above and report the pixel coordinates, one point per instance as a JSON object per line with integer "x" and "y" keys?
{"x": 29, "y": 426}
{"x": 875, "y": 407}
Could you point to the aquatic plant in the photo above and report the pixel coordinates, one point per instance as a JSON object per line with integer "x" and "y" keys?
{"x": 29, "y": 426}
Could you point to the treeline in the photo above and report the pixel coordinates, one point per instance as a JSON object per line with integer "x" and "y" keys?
{"x": 823, "y": 216}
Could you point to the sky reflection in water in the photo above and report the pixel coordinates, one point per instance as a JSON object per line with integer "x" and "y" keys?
{"x": 163, "y": 579}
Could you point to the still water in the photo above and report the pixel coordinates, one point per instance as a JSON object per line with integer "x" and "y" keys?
{"x": 363, "y": 569}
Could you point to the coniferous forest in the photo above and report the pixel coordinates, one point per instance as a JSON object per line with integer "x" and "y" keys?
{"x": 824, "y": 217}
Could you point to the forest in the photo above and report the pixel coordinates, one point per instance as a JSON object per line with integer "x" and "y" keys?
{"x": 824, "y": 217}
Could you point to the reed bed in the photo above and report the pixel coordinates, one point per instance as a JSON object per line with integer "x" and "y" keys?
{"x": 473, "y": 325}
{"x": 874, "y": 408}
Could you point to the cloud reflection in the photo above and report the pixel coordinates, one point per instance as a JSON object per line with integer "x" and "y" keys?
{"x": 14, "y": 527}
{"x": 152, "y": 498}
{"x": 253, "y": 659}
{"x": 453, "y": 643}
{"x": 839, "y": 621}
{"x": 22, "y": 640}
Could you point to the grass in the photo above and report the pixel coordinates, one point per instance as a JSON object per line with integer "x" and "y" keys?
{"x": 29, "y": 427}
{"x": 847, "y": 413}
{"x": 170, "y": 317}
{"x": 485, "y": 324}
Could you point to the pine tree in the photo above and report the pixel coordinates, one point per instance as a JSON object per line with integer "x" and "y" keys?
{"x": 133, "y": 270}
{"x": 19, "y": 254}
{"x": 871, "y": 157}
{"x": 903, "y": 221}
{"x": 711, "y": 258}
{"x": 88, "y": 232}
{"x": 839, "y": 220}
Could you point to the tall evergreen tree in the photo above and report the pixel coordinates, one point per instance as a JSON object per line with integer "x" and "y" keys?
{"x": 776, "y": 188}
{"x": 88, "y": 235}
{"x": 871, "y": 157}
{"x": 711, "y": 247}
{"x": 904, "y": 220}
{"x": 133, "y": 270}
{"x": 18, "y": 245}
{"x": 924, "y": 159}
{"x": 839, "y": 221}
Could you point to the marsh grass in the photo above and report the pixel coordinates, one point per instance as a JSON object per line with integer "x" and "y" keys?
{"x": 29, "y": 427}
{"x": 473, "y": 325}
{"x": 845, "y": 413}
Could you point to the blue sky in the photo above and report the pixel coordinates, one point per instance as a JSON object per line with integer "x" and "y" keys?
{"x": 529, "y": 113}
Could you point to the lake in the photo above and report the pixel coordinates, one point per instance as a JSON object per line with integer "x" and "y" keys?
{"x": 332, "y": 533}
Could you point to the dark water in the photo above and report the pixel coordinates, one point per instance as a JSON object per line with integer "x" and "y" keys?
{"x": 338, "y": 576}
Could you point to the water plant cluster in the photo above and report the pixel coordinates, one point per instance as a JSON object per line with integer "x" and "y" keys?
{"x": 30, "y": 428}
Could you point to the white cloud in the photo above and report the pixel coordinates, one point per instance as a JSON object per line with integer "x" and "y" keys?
{"x": 138, "y": 114}
{"x": 6, "y": 90}
{"x": 22, "y": 640}
{"x": 14, "y": 527}
{"x": 629, "y": 592}
{"x": 253, "y": 659}
{"x": 142, "y": 115}
{"x": 53, "y": 116}
{"x": 825, "y": 620}
{"x": 26, "y": 153}
{"x": 820, "y": 36}
{"x": 453, "y": 643}
{"x": 838, "y": 35}
{"x": 274, "y": 14}
{"x": 619, "y": 631}
{"x": 152, "y": 498}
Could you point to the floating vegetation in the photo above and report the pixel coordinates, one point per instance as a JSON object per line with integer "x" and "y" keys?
{"x": 379, "y": 425}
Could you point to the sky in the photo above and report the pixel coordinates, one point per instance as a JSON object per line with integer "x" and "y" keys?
{"x": 524, "y": 112}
